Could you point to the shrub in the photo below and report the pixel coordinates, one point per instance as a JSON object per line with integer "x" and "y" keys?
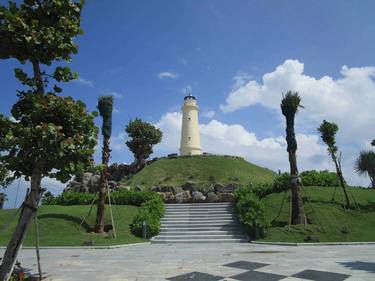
{"x": 48, "y": 198}
{"x": 152, "y": 222}
{"x": 319, "y": 178}
{"x": 150, "y": 212}
{"x": 118, "y": 197}
{"x": 251, "y": 213}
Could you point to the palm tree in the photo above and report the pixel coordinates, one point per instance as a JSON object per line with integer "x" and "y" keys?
{"x": 328, "y": 132}
{"x": 365, "y": 164}
{"x": 289, "y": 107}
{"x": 105, "y": 106}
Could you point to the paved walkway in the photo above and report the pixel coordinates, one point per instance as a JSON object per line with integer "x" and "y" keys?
{"x": 202, "y": 262}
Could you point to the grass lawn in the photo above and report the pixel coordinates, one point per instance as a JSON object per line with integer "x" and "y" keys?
{"x": 59, "y": 226}
{"x": 329, "y": 221}
{"x": 203, "y": 170}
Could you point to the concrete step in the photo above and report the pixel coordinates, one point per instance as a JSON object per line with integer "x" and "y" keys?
{"x": 192, "y": 241}
{"x": 199, "y": 223}
{"x": 199, "y": 204}
{"x": 206, "y": 232}
{"x": 201, "y": 236}
{"x": 197, "y": 219}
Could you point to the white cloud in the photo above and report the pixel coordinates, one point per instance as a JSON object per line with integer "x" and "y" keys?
{"x": 324, "y": 98}
{"x": 209, "y": 114}
{"x": 115, "y": 94}
{"x": 167, "y": 74}
{"x": 84, "y": 82}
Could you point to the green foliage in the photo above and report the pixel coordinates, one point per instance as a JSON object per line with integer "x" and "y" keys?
{"x": 289, "y": 107}
{"x": 142, "y": 137}
{"x": 48, "y": 198}
{"x": 373, "y": 143}
{"x": 291, "y": 102}
{"x": 319, "y": 178}
{"x": 2, "y": 199}
{"x": 365, "y": 164}
{"x": 328, "y": 132}
{"x": 40, "y": 30}
{"x": 150, "y": 212}
{"x": 251, "y": 212}
{"x": 55, "y": 131}
{"x": 118, "y": 197}
{"x": 105, "y": 107}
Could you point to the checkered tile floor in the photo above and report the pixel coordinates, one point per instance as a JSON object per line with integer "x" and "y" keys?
{"x": 248, "y": 272}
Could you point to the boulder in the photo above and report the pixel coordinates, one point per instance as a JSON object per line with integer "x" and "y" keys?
{"x": 93, "y": 183}
{"x": 172, "y": 189}
{"x": 189, "y": 186}
{"x": 168, "y": 197}
{"x": 198, "y": 197}
{"x": 122, "y": 186}
{"x": 138, "y": 188}
{"x": 226, "y": 197}
{"x": 183, "y": 197}
{"x": 229, "y": 188}
{"x": 212, "y": 197}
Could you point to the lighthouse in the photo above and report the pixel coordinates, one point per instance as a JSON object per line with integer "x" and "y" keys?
{"x": 190, "y": 139}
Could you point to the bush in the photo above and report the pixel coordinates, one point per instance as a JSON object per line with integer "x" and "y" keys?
{"x": 251, "y": 213}
{"x": 150, "y": 212}
{"x": 319, "y": 178}
{"x": 118, "y": 197}
{"x": 48, "y": 198}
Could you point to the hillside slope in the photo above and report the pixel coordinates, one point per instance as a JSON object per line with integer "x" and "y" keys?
{"x": 327, "y": 219}
{"x": 202, "y": 170}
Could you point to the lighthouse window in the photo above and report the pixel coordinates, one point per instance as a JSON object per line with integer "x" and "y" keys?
{"x": 188, "y": 138}
{"x": 189, "y": 118}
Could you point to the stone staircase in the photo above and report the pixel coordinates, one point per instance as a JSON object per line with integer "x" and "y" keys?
{"x": 199, "y": 223}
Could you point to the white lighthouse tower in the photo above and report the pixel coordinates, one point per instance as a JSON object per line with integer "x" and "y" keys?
{"x": 190, "y": 139}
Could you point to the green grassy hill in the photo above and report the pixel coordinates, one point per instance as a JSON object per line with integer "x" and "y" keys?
{"x": 328, "y": 220}
{"x": 59, "y": 226}
{"x": 202, "y": 170}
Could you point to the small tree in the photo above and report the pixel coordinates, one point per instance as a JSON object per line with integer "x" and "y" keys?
{"x": 328, "y": 132}
{"x": 373, "y": 143}
{"x": 52, "y": 136}
{"x": 289, "y": 107}
{"x": 143, "y": 136}
{"x": 365, "y": 164}
{"x": 105, "y": 106}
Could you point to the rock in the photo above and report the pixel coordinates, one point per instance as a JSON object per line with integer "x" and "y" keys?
{"x": 229, "y": 188}
{"x": 226, "y": 197}
{"x": 138, "y": 188}
{"x": 183, "y": 197}
{"x": 113, "y": 185}
{"x": 126, "y": 187}
{"x": 118, "y": 171}
{"x": 168, "y": 197}
{"x": 93, "y": 183}
{"x": 212, "y": 197}
{"x": 198, "y": 197}
{"x": 206, "y": 189}
{"x": 190, "y": 186}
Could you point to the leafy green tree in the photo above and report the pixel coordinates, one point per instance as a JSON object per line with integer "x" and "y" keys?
{"x": 2, "y": 199}
{"x": 365, "y": 164}
{"x": 373, "y": 143}
{"x": 53, "y": 136}
{"x": 105, "y": 106}
{"x": 328, "y": 132}
{"x": 289, "y": 107}
{"x": 143, "y": 136}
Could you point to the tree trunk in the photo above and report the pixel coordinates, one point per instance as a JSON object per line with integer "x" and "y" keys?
{"x": 29, "y": 208}
{"x": 99, "y": 227}
{"x": 38, "y": 77}
{"x": 342, "y": 180}
{"x": 298, "y": 216}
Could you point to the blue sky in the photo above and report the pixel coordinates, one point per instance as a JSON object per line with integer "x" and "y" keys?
{"x": 236, "y": 57}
